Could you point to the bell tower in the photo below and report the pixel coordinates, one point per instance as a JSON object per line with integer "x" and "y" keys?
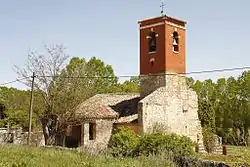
{"x": 166, "y": 99}
{"x": 162, "y": 51}
{"x": 162, "y": 45}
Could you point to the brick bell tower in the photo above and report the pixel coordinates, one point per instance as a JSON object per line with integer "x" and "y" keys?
{"x": 162, "y": 51}
{"x": 165, "y": 97}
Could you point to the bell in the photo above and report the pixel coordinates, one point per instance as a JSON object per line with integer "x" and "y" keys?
{"x": 175, "y": 43}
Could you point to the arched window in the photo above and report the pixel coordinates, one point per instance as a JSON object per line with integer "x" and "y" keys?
{"x": 152, "y": 42}
{"x": 175, "y": 42}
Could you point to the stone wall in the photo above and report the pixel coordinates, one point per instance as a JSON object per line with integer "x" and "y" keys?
{"x": 5, "y": 136}
{"x": 36, "y": 138}
{"x": 16, "y": 136}
{"x": 149, "y": 83}
{"x": 169, "y": 103}
{"x": 103, "y": 133}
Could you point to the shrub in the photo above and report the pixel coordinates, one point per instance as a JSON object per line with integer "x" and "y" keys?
{"x": 208, "y": 139}
{"x": 124, "y": 143}
{"x": 171, "y": 143}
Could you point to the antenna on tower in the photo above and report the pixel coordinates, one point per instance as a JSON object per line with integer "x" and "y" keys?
{"x": 162, "y": 7}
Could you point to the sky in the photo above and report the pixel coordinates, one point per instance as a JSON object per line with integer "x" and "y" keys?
{"x": 217, "y": 34}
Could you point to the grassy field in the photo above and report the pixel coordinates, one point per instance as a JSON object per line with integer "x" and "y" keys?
{"x": 234, "y": 154}
{"x": 22, "y": 156}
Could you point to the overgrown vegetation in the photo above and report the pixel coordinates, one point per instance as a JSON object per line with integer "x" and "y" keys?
{"x": 235, "y": 154}
{"x": 21, "y": 156}
{"x": 175, "y": 148}
{"x": 124, "y": 143}
{"x": 224, "y": 107}
{"x": 209, "y": 139}
{"x": 179, "y": 149}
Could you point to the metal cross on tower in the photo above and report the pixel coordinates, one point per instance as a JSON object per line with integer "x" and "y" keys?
{"x": 162, "y": 7}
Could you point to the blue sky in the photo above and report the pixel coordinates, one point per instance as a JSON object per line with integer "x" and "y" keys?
{"x": 218, "y": 32}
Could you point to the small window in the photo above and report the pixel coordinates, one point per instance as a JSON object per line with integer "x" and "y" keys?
{"x": 92, "y": 131}
{"x": 152, "y": 42}
{"x": 175, "y": 42}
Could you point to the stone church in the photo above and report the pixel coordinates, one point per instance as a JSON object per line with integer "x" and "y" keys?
{"x": 164, "y": 100}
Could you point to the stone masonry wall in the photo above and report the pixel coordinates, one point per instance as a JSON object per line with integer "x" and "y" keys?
{"x": 149, "y": 83}
{"x": 16, "y": 136}
{"x": 169, "y": 103}
{"x": 104, "y": 129}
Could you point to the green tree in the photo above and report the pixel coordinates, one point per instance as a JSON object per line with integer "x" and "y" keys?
{"x": 241, "y": 116}
{"x": 206, "y": 110}
{"x": 224, "y": 107}
{"x": 46, "y": 67}
{"x": 128, "y": 86}
{"x": 81, "y": 80}
{"x": 206, "y": 98}
{"x": 101, "y": 77}
{"x": 131, "y": 86}
{"x": 190, "y": 82}
{"x": 16, "y": 103}
{"x": 220, "y": 105}
{"x": 63, "y": 86}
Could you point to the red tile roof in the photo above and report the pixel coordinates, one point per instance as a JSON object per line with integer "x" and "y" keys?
{"x": 105, "y": 106}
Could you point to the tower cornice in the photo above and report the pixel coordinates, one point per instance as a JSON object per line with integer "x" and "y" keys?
{"x": 164, "y": 17}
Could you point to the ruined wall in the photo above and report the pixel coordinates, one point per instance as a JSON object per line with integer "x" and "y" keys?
{"x": 170, "y": 105}
{"x": 17, "y": 136}
{"x": 36, "y": 138}
{"x": 103, "y": 133}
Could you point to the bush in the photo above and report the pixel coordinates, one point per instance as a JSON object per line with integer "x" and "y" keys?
{"x": 178, "y": 148}
{"x": 172, "y": 143}
{"x": 208, "y": 139}
{"x": 124, "y": 143}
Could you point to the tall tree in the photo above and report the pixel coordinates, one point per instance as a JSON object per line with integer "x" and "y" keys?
{"x": 63, "y": 86}
{"x": 81, "y": 80}
{"x": 242, "y": 115}
{"x": 46, "y": 67}
{"x": 220, "y": 106}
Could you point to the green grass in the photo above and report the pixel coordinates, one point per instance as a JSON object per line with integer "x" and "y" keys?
{"x": 24, "y": 156}
{"x": 234, "y": 154}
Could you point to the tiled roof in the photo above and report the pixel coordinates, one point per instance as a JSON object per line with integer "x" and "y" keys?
{"x": 95, "y": 110}
{"x": 108, "y": 106}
